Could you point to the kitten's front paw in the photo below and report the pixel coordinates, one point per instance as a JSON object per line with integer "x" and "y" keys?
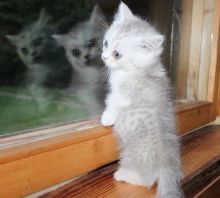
{"x": 108, "y": 119}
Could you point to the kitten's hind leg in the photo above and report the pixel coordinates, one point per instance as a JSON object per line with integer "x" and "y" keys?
{"x": 128, "y": 176}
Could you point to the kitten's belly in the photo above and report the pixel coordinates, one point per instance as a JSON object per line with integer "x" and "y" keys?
{"x": 134, "y": 121}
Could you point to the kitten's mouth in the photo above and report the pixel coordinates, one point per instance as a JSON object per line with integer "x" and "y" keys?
{"x": 89, "y": 62}
{"x": 92, "y": 61}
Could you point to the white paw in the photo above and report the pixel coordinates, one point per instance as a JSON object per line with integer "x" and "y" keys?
{"x": 108, "y": 119}
{"x": 129, "y": 176}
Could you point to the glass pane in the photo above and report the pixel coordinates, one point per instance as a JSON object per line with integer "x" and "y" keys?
{"x": 50, "y": 66}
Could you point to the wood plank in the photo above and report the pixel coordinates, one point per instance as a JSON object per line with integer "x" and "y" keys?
{"x": 211, "y": 190}
{"x": 214, "y": 71}
{"x": 206, "y": 44}
{"x": 195, "y": 48}
{"x": 190, "y": 115}
{"x": 199, "y": 59}
{"x": 183, "y": 67}
{"x": 27, "y": 175}
{"x": 27, "y": 149}
{"x": 194, "y": 118}
{"x": 200, "y": 157}
{"x": 28, "y": 169}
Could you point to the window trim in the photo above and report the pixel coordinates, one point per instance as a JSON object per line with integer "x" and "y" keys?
{"x": 196, "y": 80}
{"x": 79, "y": 148}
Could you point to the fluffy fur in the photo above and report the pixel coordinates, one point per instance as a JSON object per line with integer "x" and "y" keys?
{"x": 83, "y": 50}
{"x": 46, "y": 62}
{"x": 139, "y": 105}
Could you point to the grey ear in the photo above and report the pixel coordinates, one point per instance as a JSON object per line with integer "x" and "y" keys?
{"x": 123, "y": 13}
{"x": 43, "y": 18}
{"x": 97, "y": 16}
{"x": 152, "y": 42}
{"x": 59, "y": 38}
{"x": 12, "y": 38}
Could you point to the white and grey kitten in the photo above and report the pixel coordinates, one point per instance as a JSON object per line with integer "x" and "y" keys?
{"x": 46, "y": 63}
{"x": 140, "y": 107}
{"x": 83, "y": 50}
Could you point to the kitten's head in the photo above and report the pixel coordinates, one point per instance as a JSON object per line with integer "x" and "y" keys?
{"x": 82, "y": 43}
{"x": 33, "y": 39}
{"x": 130, "y": 42}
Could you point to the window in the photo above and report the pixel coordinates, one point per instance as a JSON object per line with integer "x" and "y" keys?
{"x": 51, "y": 70}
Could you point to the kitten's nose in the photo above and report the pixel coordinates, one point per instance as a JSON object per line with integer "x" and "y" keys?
{"x": 104, "y": 57}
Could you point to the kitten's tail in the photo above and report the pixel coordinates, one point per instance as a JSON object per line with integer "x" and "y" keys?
{"x": 169, "y": 183}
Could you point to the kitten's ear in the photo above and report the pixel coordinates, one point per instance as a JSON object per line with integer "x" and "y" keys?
{"x": 60, "y": 39}
{"x": 152, "y": 42}
{"x": 13, "y": 39}
{"x": 43, "y": 18}
{"x": 123, "y": 13}
{"x": 97, "y": 16}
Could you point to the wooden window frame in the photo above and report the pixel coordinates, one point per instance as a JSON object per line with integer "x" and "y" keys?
{"x": 33, "y": 161}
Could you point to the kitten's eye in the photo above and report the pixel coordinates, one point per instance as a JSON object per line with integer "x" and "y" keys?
{"x": 76, "y": 52}
{"x": 106, "y": 43}
{"x": 116, "y": 55}
{"x": 37, "y": 42}
{"x": 24, "y": 50}
{"x": 92, "y": 43}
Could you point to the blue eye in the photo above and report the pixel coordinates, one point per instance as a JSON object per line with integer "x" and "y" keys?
{"x": 116, "y": 55}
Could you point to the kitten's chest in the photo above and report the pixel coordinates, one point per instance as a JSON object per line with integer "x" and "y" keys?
{"x": 123, "y": 84}
{"x": 89, "y": 75}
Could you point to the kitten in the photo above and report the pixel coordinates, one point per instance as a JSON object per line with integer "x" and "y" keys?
{"x": 46, "y": 63}
{"x": 83, "y": 50}
{"x": 139, "y": 105}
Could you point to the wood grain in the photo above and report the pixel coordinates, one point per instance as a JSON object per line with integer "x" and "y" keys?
{"x": 30, "y": 167}
{"x": 211, "y": 190}
{"x": 188, "y": 120}
{"x": 183, "y": 67}
{"x": 214, "y": 71}
{"x": 201, "y": 162}
{"x": 22, "y": 177}
{"x": 206, "y": 45}
{"x": 190, "y": 115}
{"x": 195, "y": 49}
{"x": 198, "y": 72}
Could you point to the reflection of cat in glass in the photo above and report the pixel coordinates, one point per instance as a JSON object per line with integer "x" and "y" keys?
{"x": 47, "y": 64}
{"x": 82, "y": 46}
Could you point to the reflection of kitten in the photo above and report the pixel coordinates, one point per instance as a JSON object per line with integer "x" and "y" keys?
{"x": 140, "y": 106}
{"x": 82, "y": 46}
{"x": 46, "y": 62}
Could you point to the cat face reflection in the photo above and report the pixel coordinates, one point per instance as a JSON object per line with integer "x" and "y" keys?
{"x": 32, "y": 40}
{"x": 82, "y": 43}
{"x": 29, "y": 49}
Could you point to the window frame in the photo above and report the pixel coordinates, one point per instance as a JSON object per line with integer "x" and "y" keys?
{"x": 34, "y": 161}
{"x": 30, "y": 166}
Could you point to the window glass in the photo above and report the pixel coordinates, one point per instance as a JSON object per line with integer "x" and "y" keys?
{"x": 50, "y": 66}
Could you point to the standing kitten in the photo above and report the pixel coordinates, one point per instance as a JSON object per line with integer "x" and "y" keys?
{"x": 82, "y": 47}
{"x": 139, "y": 105}
{"x": 45, "y": 61}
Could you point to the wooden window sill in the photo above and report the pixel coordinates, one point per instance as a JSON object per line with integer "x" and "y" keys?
{"x": 33, "y": 161}
{"x": 199, "y": 169}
